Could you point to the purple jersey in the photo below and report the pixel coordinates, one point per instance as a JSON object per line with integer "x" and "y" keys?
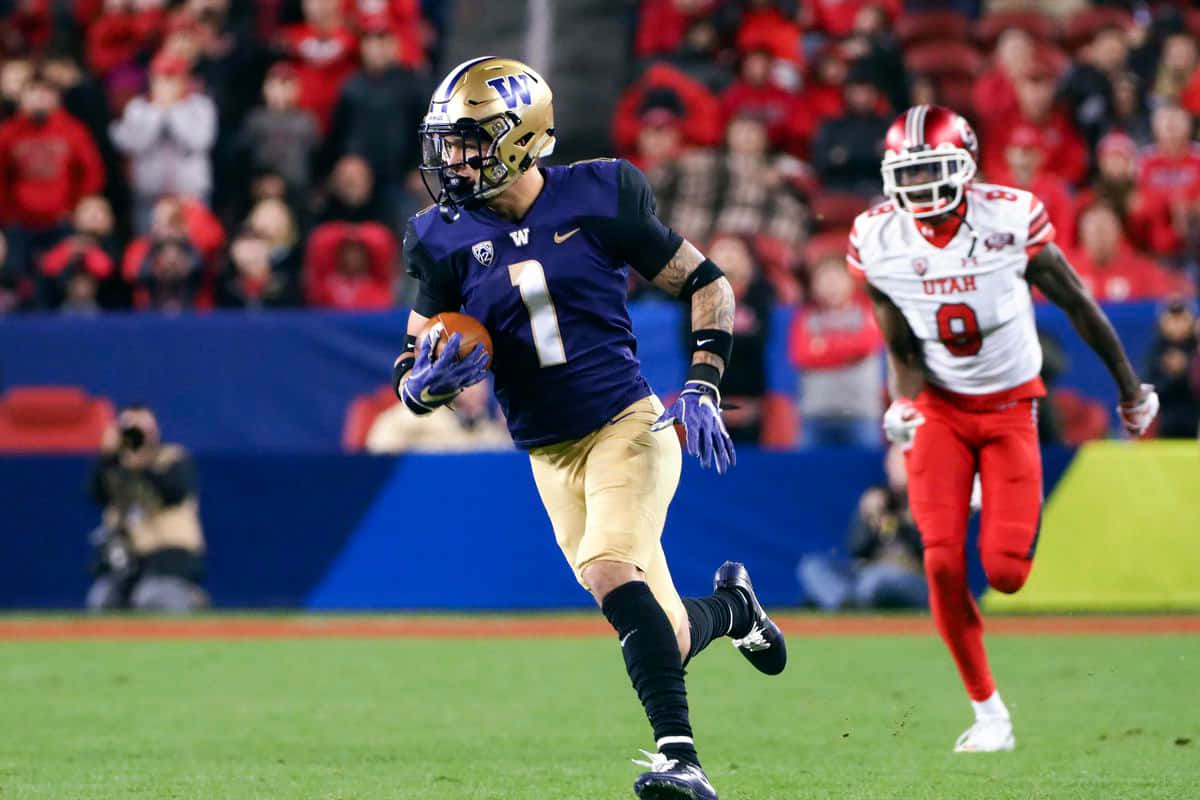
{"x": 551, "y": 290}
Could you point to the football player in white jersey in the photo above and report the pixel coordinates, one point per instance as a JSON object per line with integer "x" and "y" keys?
{"x": 949, "y": 265}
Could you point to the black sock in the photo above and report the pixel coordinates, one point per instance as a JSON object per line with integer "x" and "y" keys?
{"x": 723, "y": 613}
{"x": 653, "y": 662}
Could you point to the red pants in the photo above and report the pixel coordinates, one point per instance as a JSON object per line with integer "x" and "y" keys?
{"x": 997, "y": 439}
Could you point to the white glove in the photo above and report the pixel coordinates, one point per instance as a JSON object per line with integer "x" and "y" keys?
{"x": 900, "y": 422}
{"x": 1138, "y": 416}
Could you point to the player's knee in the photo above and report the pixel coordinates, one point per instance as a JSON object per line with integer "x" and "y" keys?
{"x": 944, "y": 565}
{"x": 601, "y": 577}
{"x": 1006, "y": 572}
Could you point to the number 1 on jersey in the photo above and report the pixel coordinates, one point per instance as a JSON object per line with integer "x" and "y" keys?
{"x": 530, "y": 279}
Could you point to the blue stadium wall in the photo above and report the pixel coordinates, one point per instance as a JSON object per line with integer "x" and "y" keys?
{"x": 232, "y": 382}
{"x": 327, "y": 531}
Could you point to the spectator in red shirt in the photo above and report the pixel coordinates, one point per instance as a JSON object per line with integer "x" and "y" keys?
{"x": 755, "y": 92}
{"x": 995, "y": 93}
{"x": 702, "y": 111}
{"x": 836, "y": 344}
{"x": 349, "y": 267}
{"x": 835, "y": 18}
{"x": 661, "y": 24}
{"x": 48, "y": 161}
{"x": 165, "y": 266}
{"x": 1169, "y": 183}
{"x": 404, "y": 20}
{"x": 1024, "y": 162}
{"x": 822, "y": 94}
{"x": 325, "y": 50}
{"x": 181, "y": 217}
{"x": 764, "y": 27}
{"x": 1064, "y": 147}
{"x": 71, "y": 275}
{"x": 125, "y": 33}
{"x": 1114, "y": 271}
{"x": 660, "y": 137}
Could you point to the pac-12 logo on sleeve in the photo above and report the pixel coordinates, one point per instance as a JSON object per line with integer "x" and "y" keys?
{"x": 920, "y": 265}
{"x": 484, "y": 252}
{"x": 513, "y": 88}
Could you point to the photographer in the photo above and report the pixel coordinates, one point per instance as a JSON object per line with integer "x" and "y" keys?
{"x": 149, "y": 546}
{"x": 886, "y": 547}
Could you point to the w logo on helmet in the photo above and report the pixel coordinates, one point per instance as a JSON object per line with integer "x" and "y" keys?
{"x": 513, "y": 88}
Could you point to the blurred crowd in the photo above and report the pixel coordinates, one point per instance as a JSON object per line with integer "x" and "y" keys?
{"x": 208, "y": 153}
{"x": 763, "y": 121}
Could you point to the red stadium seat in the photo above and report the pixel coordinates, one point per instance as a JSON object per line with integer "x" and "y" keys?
{"x": 921, "y": 26}
{"x": 837, "y": 209}
{"x": 1085, "y": 23}
{"x": 52, "y": 419}
{"x": 946, "y": 57}
{"x": 361, "y": 415}
{"x": 1035, "y": 23}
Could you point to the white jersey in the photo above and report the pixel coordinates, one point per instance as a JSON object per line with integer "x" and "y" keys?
{"x": 968, "y": 302}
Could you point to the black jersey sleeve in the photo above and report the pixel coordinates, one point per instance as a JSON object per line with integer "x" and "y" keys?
{"x": 438, "y": 289}
{"x": 635, "y": 234}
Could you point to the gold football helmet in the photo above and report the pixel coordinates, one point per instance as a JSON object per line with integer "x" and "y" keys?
{"x": 494, "y": 115}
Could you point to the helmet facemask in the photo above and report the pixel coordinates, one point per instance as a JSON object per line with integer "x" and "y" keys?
{"x": 928, "y": 183}
{"x": 448, "y": 148}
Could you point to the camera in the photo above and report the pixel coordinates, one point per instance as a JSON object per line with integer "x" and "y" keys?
{"x": 133, "y": 437}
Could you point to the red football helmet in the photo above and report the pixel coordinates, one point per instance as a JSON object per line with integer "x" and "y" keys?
{"x": 929, "y": 158}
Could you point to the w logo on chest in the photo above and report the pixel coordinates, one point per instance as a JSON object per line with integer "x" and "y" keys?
{"x": 512, "y": 89}
{"x": 520, "y": 237}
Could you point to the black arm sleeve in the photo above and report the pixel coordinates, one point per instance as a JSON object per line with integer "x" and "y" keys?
{"x": 438, "y": 289}
{"x": 174, "y": 483}
{"x": 635, "y": 234}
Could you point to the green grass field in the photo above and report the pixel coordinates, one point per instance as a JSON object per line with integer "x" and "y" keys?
{"x": 417, "y": 719}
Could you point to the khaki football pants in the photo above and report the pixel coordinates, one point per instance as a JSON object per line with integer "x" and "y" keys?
{"x": 607, "y": 496}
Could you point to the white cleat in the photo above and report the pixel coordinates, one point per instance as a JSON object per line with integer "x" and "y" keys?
{"x": 990, "y": 735}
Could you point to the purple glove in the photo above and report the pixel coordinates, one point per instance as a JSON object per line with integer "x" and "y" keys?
{"x": 698, "y": 409}
{"x": 435, "y": 383}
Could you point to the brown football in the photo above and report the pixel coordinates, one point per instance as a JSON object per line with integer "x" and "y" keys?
{"x": 442, "y": 326}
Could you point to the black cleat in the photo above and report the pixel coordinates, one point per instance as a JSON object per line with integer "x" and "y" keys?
{"x": 669, "y": 779}
{"x": 763, "y": 646}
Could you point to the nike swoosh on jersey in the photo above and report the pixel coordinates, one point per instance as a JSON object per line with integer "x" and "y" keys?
{"x": 559, "y": 238}
{"x": 625, "y": 638}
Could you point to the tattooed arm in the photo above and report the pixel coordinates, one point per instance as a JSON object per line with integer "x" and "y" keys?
{"x": 712, "y": 303}
{"x": 1050, "y": 271}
